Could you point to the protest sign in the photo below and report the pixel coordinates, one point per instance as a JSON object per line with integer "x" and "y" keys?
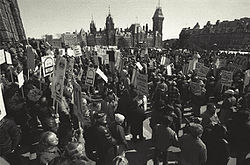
{"x": 163, "y": 59}
{"x": 169, "y": 70}
{"x": 61, "y": 52}
{"x": 192, "y": 64}
{"x": 47, "y": 65}
{"x": 185, "y": 68}
{"x": 2, "y": 57}
{"x": 70, "y": 52}
{"x": 103, "y": 76}
{"x": 195, "y": 88}
{"x": 226, "y": 78}
{"x": 20, "y": 79}
{"x": 30, "y": 58}
{"x": 138, "y": 64}
{"x": 105, "y": 59}
{"x": 142, "y": 84}
{"x": 58, "y": 79}
{"x": 2, "y": 106}
{"x": 70, "y": 68}
{"x": 77, "y": 50}
{"x": 133, "y": 78}
{"x": 90, "y": 77}
{"x": 80, "y": 74}
{"x": 77, "y": 97}
{"x": 96, "y": 61}
{"x": 202, "y": 71}
{"x": 8, "y": 58}
{"x": 247, "y": 78}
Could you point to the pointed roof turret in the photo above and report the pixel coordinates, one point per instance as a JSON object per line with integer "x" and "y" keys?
{"x": 158, "y": 13}
{"x": 197, "y": 26}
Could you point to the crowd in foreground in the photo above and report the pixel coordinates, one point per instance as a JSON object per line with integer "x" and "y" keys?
{"x": 38, "y": 131}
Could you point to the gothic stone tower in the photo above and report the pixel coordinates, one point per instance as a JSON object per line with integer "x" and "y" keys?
{"x": 157, "y": 26}
{"x": 110, "y": 31}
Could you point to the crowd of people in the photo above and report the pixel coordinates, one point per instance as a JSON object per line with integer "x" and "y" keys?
{"x": 38, "y": 131}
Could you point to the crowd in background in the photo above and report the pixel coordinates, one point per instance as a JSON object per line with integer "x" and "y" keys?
{"x": 37, "y": 131}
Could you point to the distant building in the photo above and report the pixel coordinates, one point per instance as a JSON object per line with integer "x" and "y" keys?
{"x": 54, "y": 42}
{"x": 11, "y": 26}
{"x": 69, "y": 39}
{"x": 222, "y": 35}
{"x": 134, "y": 36}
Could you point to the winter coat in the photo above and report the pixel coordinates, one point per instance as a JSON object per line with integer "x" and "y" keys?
{"x": 9, "y": 136}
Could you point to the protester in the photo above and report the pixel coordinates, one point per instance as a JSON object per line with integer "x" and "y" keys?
{"x": 193, "y": 150}
{"x": 85, "y": 101}
{"x": 47, "y": 148}
{"x": 163, "y": 137}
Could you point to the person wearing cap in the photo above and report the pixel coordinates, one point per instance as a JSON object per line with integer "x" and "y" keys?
{"x": 105, "y": 143}
{"x": 117, "y": 131}
{"x": 193, "y": 150}
{"x": 227, "y": 109}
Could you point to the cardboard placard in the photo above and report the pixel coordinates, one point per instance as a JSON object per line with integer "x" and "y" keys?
{"x": 8, "y": 58}
{"x": 58, "y": 79}
{"x": 30, "y": 58}
{"x": 70, "y": 52}
{"x": 90, "y": 77}
{"x": 202, "y": 71}
{"x": 77, "y": 97}
{"x": 47, "y": 65}
{"x": 20, "y": 79}
{"x": 77, "y": 50}
{"x": 138, "y": 64}
{"x": 169, "y": 70}
{"x": 103, "y": 76}
{"x": 247, "y": 78}
{"x": 2, "y": 57}
{"x": 142, "y": 84}
{"x": 226, "y": 78}
{"x": 2, "y": 105}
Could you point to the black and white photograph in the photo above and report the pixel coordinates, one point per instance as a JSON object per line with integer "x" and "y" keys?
{"x": 124, "y": 82}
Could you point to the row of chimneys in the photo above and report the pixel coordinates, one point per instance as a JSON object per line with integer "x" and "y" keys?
{"x": 145, "y": 28}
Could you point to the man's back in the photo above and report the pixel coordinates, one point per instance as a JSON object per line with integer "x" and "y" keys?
{"x": 193, "y": 150}
{"x": 164, "y": 137}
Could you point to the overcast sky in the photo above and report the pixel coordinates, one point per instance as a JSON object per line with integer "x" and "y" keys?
{"x": 57, "y": 16}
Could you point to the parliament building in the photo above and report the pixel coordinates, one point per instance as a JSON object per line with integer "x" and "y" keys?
{"x": 11, "y": 26}
{"x": 226, "y": 35}
{"x": 134, "y": 36}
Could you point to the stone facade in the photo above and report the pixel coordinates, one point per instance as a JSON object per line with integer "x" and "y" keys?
{"x": 11, "y": 26}
{"x": 134, "y": 36}
{"x": 222, "y": 35}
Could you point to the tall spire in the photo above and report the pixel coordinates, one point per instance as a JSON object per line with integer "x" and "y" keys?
{"x": 109, "y": 10}
{"x": 159, "y": 3}
{"x": 92, "y": 17}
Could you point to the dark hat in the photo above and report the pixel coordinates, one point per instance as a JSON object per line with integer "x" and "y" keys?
{"x": 98, "y": 115}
